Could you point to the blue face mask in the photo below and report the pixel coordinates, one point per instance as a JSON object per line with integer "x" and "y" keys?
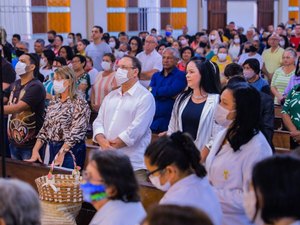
{"x": 168, "y": 33}
{"x": 93, "y": 192}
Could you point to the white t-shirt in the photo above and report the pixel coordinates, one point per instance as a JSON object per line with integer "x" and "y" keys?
{"x": 246, "y": 56}
{"x": 117, "y": 212}
{"x": 150, "y": 62}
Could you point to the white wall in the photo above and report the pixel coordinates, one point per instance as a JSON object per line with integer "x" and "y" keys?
{"x": 153, "y": 16}
{"x": 78, "y": 17}
{"x": 243, "y": 13}
{"x": 192, "y": 16}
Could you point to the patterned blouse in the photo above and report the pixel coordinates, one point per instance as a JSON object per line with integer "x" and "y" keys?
{"x": 65, "y": 121}
{"x": 292, "y": 106}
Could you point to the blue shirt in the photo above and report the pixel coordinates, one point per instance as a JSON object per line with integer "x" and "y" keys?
{"x": 165, "y": 89}
{"x": 261, "y": 85}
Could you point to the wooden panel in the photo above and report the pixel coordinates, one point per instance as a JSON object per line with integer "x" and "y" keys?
{"x": 60, "y": 22}
{"x": 165, "y": 19}
{"x": 265, "y": 13}
{"x": 39, "y": 23}
{"x": 178, "y": 3}
{"x": 165, "y": 3}
{"x": 178, "y": 20}
{"x": 116, "y": 22}
{"x": 132, "y": 3}
{"x": 38, "y": 2}
{"x": 132, "y": 21}
{"x": 66, "y": 3}
{"x": 281, "y": 140}
{"x": 116, "y": 3}
{"x": 217, "y": 14}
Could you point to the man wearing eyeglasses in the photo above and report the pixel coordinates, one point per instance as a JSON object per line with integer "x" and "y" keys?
{"x": 151, "y": 60}
{"x": 124, "y": 118}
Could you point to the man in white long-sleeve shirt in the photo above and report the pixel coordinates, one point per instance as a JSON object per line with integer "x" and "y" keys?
{"x": 125, "y": 116}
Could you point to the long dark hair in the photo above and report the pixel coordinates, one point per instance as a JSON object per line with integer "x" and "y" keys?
{"x": 116, "y": 170}
{"x": 210, "y": 78}
{"x": 179, "y": 149}
{"x": 246, "y": 122}
{"x": 139, "y": 42}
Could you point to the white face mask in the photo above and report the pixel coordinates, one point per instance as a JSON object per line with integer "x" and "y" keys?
{"x": 58, "y": 86}
{"x": 249, "y": 203}
{"x": 156, "y": 183}
{"x": 42, "y": 62}
{"x": 221, "y": 116}
{"x": 215, "y": 50}
{"x": 282, "y": 43}
{"x": 70, "y": 40}
{"x": 236, "y": 40}
{"x": 222, "y": 56}
{"x": 20, "y": 68}
{"x": 105, "y": 65}
{"x": 212, "y": 37}
{"x": 121, "y": 76}
{"x": 248, "y": 74}
{"x": 183, "y": 41}
{"x": 112, "y": 44}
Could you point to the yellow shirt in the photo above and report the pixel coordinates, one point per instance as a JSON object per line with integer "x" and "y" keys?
{"x": 221, "y": 65}
{"x": 272, "y": 60}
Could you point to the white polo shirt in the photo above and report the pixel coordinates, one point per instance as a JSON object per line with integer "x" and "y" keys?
{"x": 150, "y": 62}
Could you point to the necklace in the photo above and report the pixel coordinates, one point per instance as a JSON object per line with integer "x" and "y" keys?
{"x": 199, "y": 96}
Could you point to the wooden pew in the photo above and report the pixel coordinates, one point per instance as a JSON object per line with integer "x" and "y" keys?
{"x": 28, "y": 172}
{"x": 282, "y": 141}
{"x": 277, "y": 111}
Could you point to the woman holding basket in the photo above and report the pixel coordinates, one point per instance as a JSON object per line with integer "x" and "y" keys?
{"x": 65, "y": 123}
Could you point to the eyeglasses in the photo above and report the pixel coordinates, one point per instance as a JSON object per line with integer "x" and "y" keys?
{"x": 87, "y": 177}
{"x": 149, "y": 42}
{"x": 134, "y": 44}
{"x": 149, "y": 173}
{"x": 125, "y": 67}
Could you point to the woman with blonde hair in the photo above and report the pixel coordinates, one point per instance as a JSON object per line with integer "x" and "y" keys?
{"x": 65, "y": 123}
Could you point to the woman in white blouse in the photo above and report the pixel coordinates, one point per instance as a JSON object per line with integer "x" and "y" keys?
{"x": 236, "y": 149}
{"x": 111, "y": 187}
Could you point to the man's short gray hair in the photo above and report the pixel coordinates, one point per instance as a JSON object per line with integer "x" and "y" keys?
{"x": 154, "y": 36}
{"x": 174, "y": 52}
{"x": 19, "y": 203}
{"x": 26, "y": 44}
{"x": 41, "y": 41}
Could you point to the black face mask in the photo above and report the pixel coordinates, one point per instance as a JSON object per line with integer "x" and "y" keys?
{"x": 19, "y": 52}
{"x": 247, "y": 50}
{"x": 51, "y": 41}
{"x": 252, "y": 48}
{"x": 202, "y": 44}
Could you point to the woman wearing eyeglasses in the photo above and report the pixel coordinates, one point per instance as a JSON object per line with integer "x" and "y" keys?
{"x": 111, "y": 187}
{"x": 174, "y": 167}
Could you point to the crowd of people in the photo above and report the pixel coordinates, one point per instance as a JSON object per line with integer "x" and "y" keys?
{"x": 207, "y": 98}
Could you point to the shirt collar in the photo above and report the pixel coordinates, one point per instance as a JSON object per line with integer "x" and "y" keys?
{"x": 130, "y": 91}
{"x": 173, "y": 71}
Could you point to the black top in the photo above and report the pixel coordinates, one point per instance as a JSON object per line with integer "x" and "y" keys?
{"x": 191, "y": 117}
{"x": 24, "y": 126}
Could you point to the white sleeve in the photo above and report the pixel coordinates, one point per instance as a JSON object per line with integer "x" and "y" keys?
{"x": 98, "y": 125}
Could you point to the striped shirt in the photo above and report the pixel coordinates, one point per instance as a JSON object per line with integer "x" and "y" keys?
{"x": 102, "y": 86}
{"x": 280, "y": 80}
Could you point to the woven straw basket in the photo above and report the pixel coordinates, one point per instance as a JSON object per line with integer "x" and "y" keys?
{"x": 60, "y": 195}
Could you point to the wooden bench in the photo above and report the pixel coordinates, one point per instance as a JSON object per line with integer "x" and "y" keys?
{"x": 282, "y": 141}
{"x": 28, "y": 172}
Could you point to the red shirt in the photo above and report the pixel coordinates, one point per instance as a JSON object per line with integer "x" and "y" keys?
{"x": 295, "y": 41}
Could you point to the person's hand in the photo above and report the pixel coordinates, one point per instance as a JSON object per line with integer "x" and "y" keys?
{"x": 117, "y": 143}
{"x": 162, "y": 134}
{"x": 34, "y": 157}
{"x": 60, "y": 159}
{"x": 105, "y": 144}
{"x": 295, "y": 135}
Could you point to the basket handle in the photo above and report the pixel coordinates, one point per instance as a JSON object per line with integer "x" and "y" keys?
{"x": 56, "y": 156}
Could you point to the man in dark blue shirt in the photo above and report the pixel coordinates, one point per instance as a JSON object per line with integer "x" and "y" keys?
{"x": 165, "y": 86}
